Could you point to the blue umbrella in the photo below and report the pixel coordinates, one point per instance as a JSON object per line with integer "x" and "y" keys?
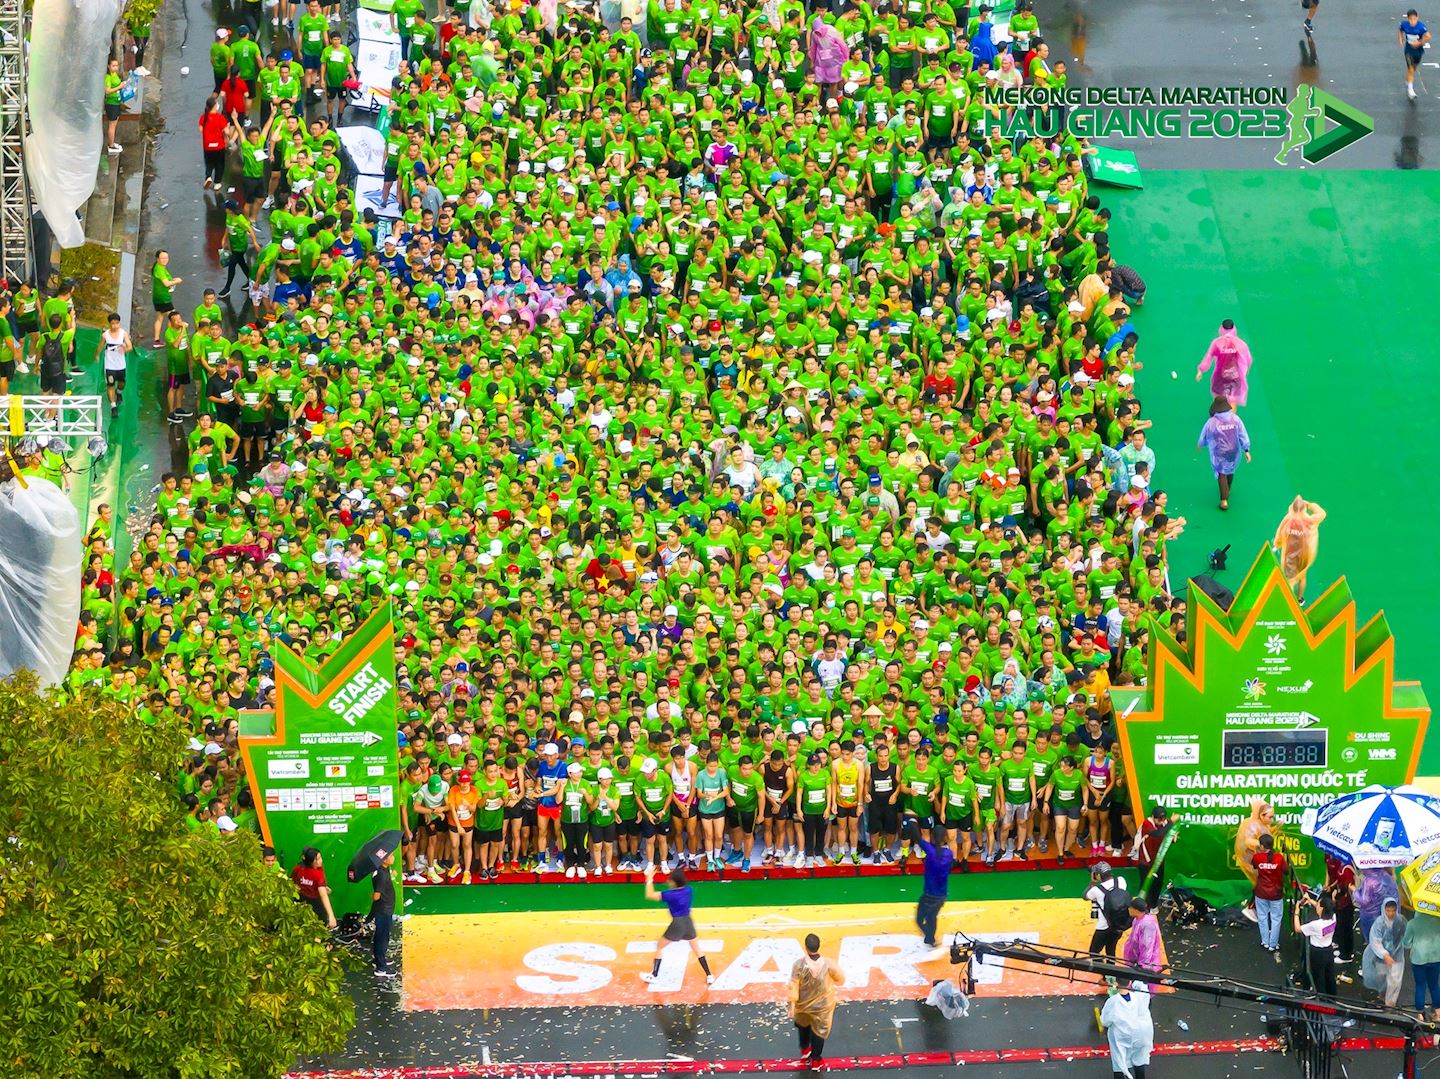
{"x": 1376, "y": 827}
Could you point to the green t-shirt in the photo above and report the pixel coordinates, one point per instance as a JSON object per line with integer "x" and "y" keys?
{"x": 745, "y": 790}
{"x": 574, "y": 808}
{"x": 311, "y": 31}
{"x": 814, "y": 788}
{"x": 958, "y": 799}
{"x": 490, "y": 813}
{"x": 1015, "y": 776}
{"x": 922, "y": 784}
{"x": 113, "y": 82}
{"x": 1065, "y": 790}
{"x": 338, "y": 59}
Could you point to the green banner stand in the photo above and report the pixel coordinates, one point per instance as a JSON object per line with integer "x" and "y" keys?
{"x": 324, "y": 765}
{"x": 1116, "y": 168}
{"x": 1267, "y": 701}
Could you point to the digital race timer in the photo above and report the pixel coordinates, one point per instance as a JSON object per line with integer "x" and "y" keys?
{"x": 1283, "y": 748}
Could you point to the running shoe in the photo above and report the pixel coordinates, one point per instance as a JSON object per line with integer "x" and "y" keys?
{"x": 465, "y": 877}
{"x": 855, "y": 858}
{"x": 433, "y": 875}
{"x": 384, "y": 974}
{"x": 453, "y": 872}
{"x": 582, "y": 873}
{"x": 647, "y": 977}
{"x": 570, "y": 873}
{"x": 745, "y": 865}
{"x": 609, "y": 870}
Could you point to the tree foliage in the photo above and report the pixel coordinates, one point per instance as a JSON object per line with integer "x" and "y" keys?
{"x": 129, "y": 947}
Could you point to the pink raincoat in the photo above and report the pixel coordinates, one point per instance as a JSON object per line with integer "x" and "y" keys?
{"x": 827, "y": 51}
{"x": 1230, "y": 357}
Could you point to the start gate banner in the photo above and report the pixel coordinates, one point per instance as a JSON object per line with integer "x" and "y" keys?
{"x": 324, "y": 765}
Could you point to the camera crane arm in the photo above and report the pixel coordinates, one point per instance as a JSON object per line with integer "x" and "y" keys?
{"x": 1412, "y": 1029}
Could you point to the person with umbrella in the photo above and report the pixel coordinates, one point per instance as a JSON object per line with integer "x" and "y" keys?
{"x": 374, "y": 859}
{"x": 382, "y": 911}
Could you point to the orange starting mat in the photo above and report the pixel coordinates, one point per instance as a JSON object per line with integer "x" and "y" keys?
{"x": 567, "y": 958}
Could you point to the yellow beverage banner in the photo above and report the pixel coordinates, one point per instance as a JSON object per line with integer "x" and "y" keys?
{"x": 566, "y": 958}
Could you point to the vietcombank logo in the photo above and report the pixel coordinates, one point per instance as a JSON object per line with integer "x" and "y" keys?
{"x": 1310, "y": 123}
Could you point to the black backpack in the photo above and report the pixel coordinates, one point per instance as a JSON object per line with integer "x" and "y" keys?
{"x": 1115, "y": 904}
{"x": 52, "y": 355}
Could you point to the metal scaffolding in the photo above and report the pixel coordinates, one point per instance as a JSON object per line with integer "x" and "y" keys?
{"x": 15, "y": 210}
{"x": 64, "y": 416}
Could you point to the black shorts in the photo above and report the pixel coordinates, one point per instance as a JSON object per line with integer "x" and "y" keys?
{"x": 487, "y": 835}
{"x": 164, "y": 308}
{"x": 335, "y": 92}
{"x": 926, "y": 822}
{"x": 7, "y": 368}
{"x": 437, "y": 826}
{"x": 177, "y": 380}
{"x": 964, "y": 823}
{"x": 391, "y": 173}
{"x": 627, "y": 827}
{"x": 254, "y": 428}
{"x": 883, "y": 818}
{"x": 602, "y": 833}
{"x": 1104, "y": 803}
{"x": 115, "y": 378}
{"x": 650, "y": 829}
{"x": 1413, "y": 56}
{"x": 52, "y": 383}
{"x": 310, "y": 63}
{"x": 711, "y": 814}
{"x": 847, "y": 812}
{"x": 515, "y": 812}
{"x": 254, "y": 187}
{"x": 785, "y": 812}
{"x": 744, "y": 819}
{"x": 27, "y": 326}
{"x": 1068, "y": 810}
{"x": 679, "y": 813}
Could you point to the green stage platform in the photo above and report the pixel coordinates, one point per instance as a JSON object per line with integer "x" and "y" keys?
{"x": 1329, "y": 277}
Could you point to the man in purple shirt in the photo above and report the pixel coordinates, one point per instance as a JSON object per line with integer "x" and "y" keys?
{"x": 938, "y": 863}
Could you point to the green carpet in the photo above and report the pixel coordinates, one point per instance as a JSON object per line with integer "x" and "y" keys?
{"x": 494, "y": 898}
{"x": 1328, "y": 276}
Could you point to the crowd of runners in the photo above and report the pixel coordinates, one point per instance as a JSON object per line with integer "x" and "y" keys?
{"x": 741, "y": 425}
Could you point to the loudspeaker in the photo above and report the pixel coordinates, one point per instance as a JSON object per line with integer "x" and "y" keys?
{"x": 1215, "y": 590}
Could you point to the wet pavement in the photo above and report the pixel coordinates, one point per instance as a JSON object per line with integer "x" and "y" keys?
{"x": 1353, "y": 55}
{"x": 386, "y": 1036}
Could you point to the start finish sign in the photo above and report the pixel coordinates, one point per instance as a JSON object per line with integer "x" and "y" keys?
{"x": 1268, "y": 700}
{"x": 324, "y": 765}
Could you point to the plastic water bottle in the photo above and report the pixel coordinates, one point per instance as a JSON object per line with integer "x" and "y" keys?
{"x": 1182, "y": 1025}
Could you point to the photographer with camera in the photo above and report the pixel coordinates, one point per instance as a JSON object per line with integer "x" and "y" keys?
{"x": 1319, "y": 934}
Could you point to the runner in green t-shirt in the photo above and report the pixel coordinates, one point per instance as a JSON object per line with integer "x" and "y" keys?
{"x": 113, "y": 105}
{"x": 577, "y": 797}
{"x": 1017, "y": 781}
{"x": 814, "y": 804}
{"x": 919, "y": 783}
{"x": 605, "y": 804}
{"x": 987, "y": 790}
{"x": 1063, "y": 794}
{"x": 959, "y": 813}
{"x": 339, "y": 64}
{"x": 490, "y": 818}
{"x": 746, "y": 810}
{"x": 653, "y": 793}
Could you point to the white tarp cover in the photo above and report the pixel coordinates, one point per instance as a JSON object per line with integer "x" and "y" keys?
{"x": 377, "y": 63}
{"x": 367, "y": 197}
{"x": 366, "y": 148}
{"x": 40, "y": 554}
{"x": 374, "y": 26}
{"x": 69, "y": 44}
